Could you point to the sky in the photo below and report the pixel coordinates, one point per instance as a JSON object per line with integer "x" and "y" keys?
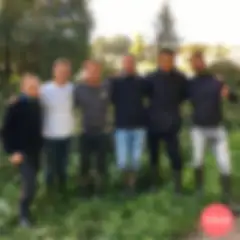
{"x": 208, "y": 21}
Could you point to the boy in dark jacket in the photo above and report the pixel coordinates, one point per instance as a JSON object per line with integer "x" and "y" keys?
{"x": 206, "y": 93}
{"x": 22, "y": 140}
{"x": 127, "y": 95}
{"x": 166, "y": 91}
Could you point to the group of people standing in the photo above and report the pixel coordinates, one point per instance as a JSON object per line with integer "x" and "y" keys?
{"x": 145, "y": 109}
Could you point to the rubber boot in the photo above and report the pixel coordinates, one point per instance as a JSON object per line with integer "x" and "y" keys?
{"x": 225, "y": 181}
{"x": 177, "y": 179}
{"x": 154, "y": 178}
{"x": 199, "y": 178}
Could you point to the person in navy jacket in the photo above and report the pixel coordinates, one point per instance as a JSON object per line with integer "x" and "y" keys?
{"x": 22, "y": 140}
{"x": 127, "y": 95}
{"x": 166, "y": 91}
{"x": 206, "y": 93}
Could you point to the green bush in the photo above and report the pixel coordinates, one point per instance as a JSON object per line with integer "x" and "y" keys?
{"x": 231, "y": 75}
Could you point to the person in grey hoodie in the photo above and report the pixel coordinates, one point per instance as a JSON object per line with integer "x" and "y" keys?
{"x": 91, "y": 98}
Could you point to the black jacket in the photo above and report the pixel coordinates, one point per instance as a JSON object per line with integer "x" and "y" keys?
{"x": 166, "y": 91}
{"x": 204, "y": 93}
{"x": 127, "y": 95}
{"x": 22, "y": 127}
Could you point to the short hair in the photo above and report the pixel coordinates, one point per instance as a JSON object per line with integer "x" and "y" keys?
{"x": 64, "y": 61}
{"x": 167, "y": 51}
{"x": 92, "y": 60}
{"x": 197, "y": 54}
{"x": 28, "y": 76}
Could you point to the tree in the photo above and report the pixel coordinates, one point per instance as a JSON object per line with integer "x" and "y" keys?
{"x": 38, "y": 34}
{"x": 117, "y": 45}
{"x": 221, "y": 52}
{"x": 64, "y": 28}
{"x": 166, "y": 35}
{"x": 138, "y": 47}
{"x": 11, "y": 14}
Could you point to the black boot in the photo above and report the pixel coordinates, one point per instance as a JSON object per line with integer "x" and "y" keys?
{"x": 154, "y": 179}
{"x": 225, "y": 181}
{"x": 177, "y": 178}
{"x": 99, "y": 186}
{"x": 199, "y": 180}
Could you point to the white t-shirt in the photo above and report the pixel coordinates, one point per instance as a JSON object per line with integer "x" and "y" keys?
{"x": 57, "y": 104}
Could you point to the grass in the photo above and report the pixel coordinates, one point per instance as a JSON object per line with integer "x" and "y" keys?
{"x": 146, "y": 217}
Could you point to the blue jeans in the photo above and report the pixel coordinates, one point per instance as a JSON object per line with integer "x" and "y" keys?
{"x": 57, "y": 154}
{"x": 129, "y": 145}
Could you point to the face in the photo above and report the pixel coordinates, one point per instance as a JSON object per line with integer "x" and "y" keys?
{"x": 93, "y": 72}
{"x": 129, "y": 64}
{"x": 197, "y": 63}
{"x": 31, "y": 86}
{"x": 62, "y": 72}
{"x": 166, "y": 61}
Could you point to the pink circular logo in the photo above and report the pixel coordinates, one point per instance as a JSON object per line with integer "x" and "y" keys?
{"x": 217, "y": 220}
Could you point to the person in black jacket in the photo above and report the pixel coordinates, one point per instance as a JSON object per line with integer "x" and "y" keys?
{"x": 166, "y": 91}
{"x": 205, "y": 94}
{"x": 22, "y": 140}
{"x": 127, "y": 93}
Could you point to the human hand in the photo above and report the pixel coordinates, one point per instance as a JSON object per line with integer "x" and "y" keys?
{"x": 12, "y": 99}
{"x": 16, "y": 158}
{"x": 225, "y": 91}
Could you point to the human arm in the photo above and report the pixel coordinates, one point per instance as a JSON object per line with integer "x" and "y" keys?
{"x": 229, "y": 94}
{"x": 10, "y": 135}
{"x": 226, "y": 91}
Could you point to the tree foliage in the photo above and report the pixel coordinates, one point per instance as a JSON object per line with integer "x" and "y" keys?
{"x": 138, "y": 47}
{"x": 38, "y": 34}
{"x": 231, "y": 75}
{"x": 117, "y": 45}
{"x": 166, "y": 35}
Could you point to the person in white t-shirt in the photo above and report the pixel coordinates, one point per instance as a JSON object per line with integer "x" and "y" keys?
{"x": 57, "y": 101}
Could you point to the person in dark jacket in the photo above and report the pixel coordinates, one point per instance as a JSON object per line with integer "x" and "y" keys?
{"x": 166, "y": 91}
{"x": 206, "y": 93}
{"x": 22, "y": 140}
{"x": 127, "y": 94}
{"x": 91, "y": 97}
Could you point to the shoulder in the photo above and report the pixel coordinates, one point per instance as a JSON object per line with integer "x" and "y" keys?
{"x": 180, "y": 75}
{"x": 46, "y": 87}
{"x": 151, "y": 75}
{"x": 79, "y": 87}
{"x": 17, "y": 103}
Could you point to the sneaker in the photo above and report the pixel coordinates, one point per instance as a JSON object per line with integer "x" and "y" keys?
{"x": 25, "y": 223}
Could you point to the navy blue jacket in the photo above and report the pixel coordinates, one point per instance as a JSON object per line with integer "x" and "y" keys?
{"x": 22, "y": 127}
{"x": 127, "y": 95}
{"x": 166, "y": 92}
{"x": 204, "y": 93}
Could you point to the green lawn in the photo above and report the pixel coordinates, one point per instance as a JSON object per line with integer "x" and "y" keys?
{"x": 146, "y": 217}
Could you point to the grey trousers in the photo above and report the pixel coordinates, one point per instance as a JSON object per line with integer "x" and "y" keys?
{"x": 217, "y": 139}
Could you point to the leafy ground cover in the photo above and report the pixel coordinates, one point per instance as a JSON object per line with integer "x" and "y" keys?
{"x": 145, "y": 217}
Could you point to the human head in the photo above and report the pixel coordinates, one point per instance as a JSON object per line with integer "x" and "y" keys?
{"x": 197, "y": 61}
{"x": 129, "y": 64}
{"x": 166, "y": 59}
{"x": 30, "y": 85}
{"x": 61, "y": 70}
{"x": 93, "y": 72}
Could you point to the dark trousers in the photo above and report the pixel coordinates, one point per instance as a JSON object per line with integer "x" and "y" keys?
{"x": 57, "y": 154}
{"x": 93, "y": 149}
{"x": 172, "y": 147}
{"x": 28, "y": 172}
